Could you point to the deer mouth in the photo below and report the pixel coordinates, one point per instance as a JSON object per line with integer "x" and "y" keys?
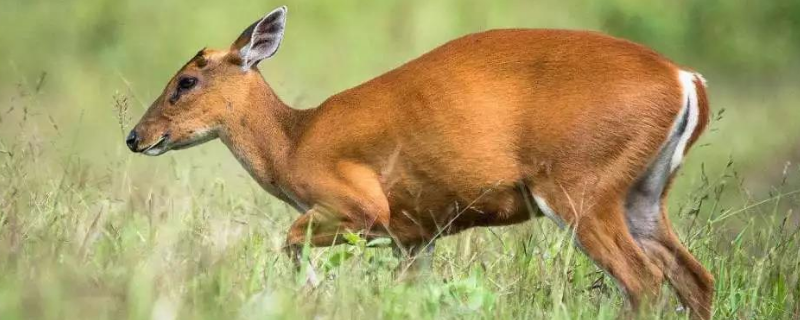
{"x": 158, "y": 147}
{"x": 196, "y": 137}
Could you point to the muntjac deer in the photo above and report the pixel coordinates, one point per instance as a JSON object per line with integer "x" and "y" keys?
{"x": 587, "y": 128}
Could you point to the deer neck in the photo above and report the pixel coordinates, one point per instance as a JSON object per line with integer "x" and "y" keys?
{"x": 261, "y": 133}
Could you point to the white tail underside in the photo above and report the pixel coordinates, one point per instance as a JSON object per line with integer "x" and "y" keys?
{"x": 691, "y": 106}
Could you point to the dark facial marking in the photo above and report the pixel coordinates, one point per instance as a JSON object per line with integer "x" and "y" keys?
{"x": 174, "y": 97}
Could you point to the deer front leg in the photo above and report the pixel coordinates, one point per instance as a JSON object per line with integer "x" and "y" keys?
{"x": 415, "y": 260}
{"x": 342, "y": 208}
{"x": 318, "y": 228}
{"x": 295, "y": 252}
{"x": 349, "y": 199}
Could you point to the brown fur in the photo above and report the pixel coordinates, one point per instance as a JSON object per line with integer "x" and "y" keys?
{"x": 462, "y": 137}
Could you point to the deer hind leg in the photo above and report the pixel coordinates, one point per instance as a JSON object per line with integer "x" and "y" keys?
{"x": 601, "y": 233}
{"x": 648, "y": 223}
{"x": 693, "y": 283}
{"x": 647, "y": 220}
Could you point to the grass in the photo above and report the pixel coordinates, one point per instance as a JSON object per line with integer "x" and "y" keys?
{"x": 89, "y": 231}
{"x": 82, "y": 240}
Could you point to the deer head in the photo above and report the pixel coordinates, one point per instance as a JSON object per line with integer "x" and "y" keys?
{"x": 210, "y": 92}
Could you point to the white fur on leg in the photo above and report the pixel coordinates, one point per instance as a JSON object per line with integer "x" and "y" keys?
{"x": 548, "y": 212}
{"x": 311, "y": 276}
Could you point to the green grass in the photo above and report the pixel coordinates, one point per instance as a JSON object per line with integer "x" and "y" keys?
{"x": 83, "y": 240}
{"x": 89, "y": 231}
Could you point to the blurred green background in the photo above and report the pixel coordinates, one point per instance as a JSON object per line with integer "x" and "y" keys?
{"x": 75, "y": 75}
{"x": 80, "y": 55}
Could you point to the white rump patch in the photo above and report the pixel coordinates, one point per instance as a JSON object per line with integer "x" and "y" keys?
{"x": 691, "y": 106}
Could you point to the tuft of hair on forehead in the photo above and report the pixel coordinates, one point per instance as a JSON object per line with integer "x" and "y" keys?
{"x": 199, "y": 59}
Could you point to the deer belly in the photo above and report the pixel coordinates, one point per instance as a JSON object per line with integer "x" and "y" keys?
{"x": 425, "y": 216}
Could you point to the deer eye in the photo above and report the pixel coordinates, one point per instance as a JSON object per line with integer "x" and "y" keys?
{"x": 187, "y": 83}
{"x": 184, "y": 84}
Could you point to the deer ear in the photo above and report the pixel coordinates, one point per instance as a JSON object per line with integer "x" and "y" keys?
{"x": 261, "y": 39}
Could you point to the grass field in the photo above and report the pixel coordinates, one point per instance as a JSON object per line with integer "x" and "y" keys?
{"x": 89, "y": 231}
{"x": 82, "y": 242}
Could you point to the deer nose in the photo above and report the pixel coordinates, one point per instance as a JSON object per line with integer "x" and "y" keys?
{"x": 132, "y": 141}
